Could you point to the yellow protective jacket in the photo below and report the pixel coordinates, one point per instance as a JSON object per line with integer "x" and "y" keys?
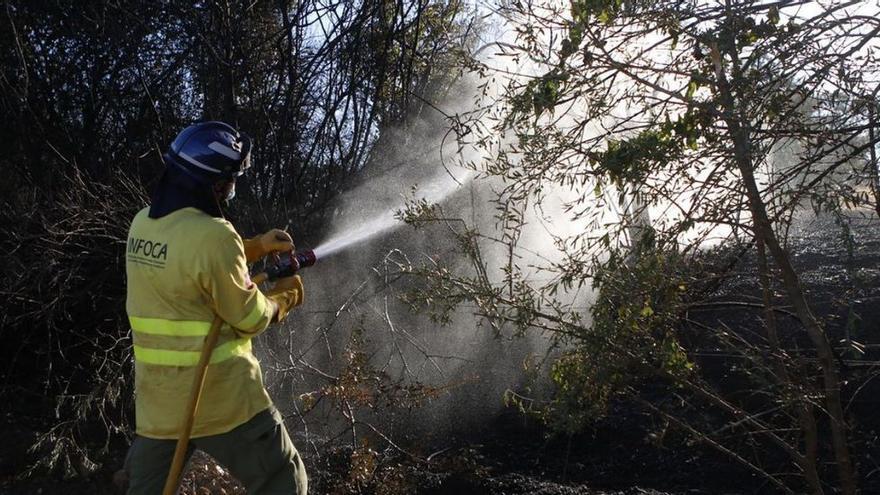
{"x": 183, "y": 269}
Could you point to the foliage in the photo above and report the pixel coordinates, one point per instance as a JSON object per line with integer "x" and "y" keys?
{"x": 67, "y": 350}
{"x": 674, "y": 123}
{"x": 93, "y": 93}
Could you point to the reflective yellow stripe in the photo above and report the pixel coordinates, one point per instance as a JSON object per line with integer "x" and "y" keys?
{"x": 163, "y": 357}
{"x": 174, "y": 343}
{"x": 177, "y": 328}
{"x": 254, "y": 317}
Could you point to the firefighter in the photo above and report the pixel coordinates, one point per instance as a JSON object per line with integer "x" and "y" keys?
{"x": 185, "y": 264}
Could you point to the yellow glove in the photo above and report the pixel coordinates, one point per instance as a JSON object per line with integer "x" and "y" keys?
{"x": 276, "y": 240}
{"x": 287, "y": 294}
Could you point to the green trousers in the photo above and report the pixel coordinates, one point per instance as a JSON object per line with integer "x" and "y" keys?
{"x": 258, "y": 453}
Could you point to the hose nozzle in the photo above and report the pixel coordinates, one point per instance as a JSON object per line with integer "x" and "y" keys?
{"x": 303, "y": 259}
{"x": 291, "y": 263}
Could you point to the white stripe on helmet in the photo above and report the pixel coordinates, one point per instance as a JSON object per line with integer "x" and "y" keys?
{"x": 198, "y": 163}
{"x": 225, "y": 150}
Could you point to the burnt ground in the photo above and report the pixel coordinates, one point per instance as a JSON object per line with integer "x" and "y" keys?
{"x": 618, "y": 455}
{"x": 512, "y": 455}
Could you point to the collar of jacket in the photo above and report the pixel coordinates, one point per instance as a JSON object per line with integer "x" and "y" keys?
{"x": 177, "y": 190}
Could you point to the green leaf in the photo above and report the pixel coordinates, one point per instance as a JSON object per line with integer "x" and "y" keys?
{"x": 576, "y": 34}
{"x": 691, "y": 89}
{"x": 567, "y": 48}
{"x": 674, "y": 30}
{"x": 646, "y": 312}
{"x": 687, "y": 225}
{"x": 773, "y": 15}
{"x": 578, "y": 10}
{"x": 749, "y": 37}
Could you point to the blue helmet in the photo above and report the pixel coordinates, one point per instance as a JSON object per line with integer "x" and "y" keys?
{"x": 210, "y": 151}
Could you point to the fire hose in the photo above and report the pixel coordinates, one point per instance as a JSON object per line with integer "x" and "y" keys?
{"x": 287, "y": 266}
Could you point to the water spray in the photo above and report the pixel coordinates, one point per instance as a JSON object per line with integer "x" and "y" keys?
{"x": 291, "y": 263}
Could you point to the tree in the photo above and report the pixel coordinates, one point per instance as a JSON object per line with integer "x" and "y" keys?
{"x": 677, "y": 108}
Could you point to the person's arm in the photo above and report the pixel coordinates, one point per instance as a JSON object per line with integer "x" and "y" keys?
{"x": 233, "y": 296}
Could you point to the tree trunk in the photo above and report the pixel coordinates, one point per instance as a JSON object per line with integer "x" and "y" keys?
{"x": 791, "y": 282}
{"x": 803, "y": 408}
{"x": 738, "y": 128}
{"x": 875, "y": 180}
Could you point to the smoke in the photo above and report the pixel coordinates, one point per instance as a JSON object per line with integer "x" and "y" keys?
{"x": 353, "y": 294}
